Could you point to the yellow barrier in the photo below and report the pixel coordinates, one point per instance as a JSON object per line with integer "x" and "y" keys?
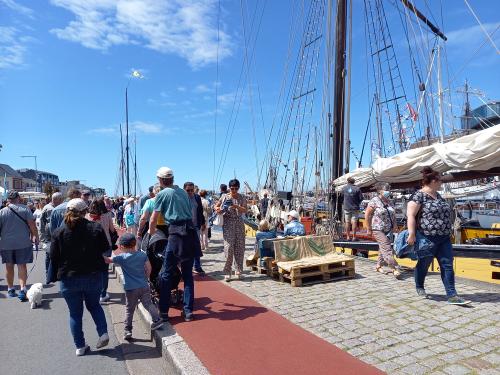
{"x": 469, "y": 268}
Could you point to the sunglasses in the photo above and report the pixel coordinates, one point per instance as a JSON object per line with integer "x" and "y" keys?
{"x": 234, "y": 187}
{"x": 189, "y": 190}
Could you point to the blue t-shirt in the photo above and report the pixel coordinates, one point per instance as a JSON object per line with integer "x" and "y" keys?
{"x": 174, "y": 204}
{"x": 132, "y": 265}
{"x": 57, "y": 216}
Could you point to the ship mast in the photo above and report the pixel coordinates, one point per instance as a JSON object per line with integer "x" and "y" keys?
{"x": 122, "y": 162}
{"x": 126, "y": 145}
{"x": 338, "y": 99}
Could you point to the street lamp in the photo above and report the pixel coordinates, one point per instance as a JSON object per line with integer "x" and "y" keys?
{"x": 36, "y": 169}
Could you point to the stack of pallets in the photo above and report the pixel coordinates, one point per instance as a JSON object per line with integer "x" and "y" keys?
{"x": 317, "y": 270}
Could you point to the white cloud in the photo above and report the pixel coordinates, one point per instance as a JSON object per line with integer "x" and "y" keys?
{"x": 18, "y": 7}
{"x": 184, "y": 28}
{"x": 12, "y": 48}
{"x": 226, "y": 99}
{"x": 137, "y": 126}
{"x": 198, "y": 115}
{"x": 200, "y": 89}
{"x": 108, "y": 130}
{"x": 472, "y": 37}
{"x": 147, "y": 127}
{"x": 181, "y": 89}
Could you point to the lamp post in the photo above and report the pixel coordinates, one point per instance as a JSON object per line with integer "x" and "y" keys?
{"x": 36, "y": 169}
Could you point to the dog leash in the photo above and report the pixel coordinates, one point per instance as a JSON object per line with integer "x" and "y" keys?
{"x": 34, "y": 263}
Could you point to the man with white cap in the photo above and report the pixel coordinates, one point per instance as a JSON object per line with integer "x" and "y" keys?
{"x": 294, "y": 226}
{"x": 183, "y": 242}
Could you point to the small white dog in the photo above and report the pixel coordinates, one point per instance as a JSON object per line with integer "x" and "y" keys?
{"x": 35, "y": 295}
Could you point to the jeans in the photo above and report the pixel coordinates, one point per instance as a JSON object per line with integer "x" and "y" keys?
{"x": 197, "y": 259}
{"x": 79, "y": 289}
{"x": 105, "y": 283}
{"x": 443, "y": 252}
{"x": 169, "y": 263}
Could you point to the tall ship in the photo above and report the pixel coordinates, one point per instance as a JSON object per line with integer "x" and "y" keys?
{"x": 410, "y": 123}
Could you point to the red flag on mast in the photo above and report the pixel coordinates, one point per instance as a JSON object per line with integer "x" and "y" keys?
{"x": 413, "y": 113}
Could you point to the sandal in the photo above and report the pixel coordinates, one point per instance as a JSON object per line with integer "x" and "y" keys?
{"x": 380, "y": 270}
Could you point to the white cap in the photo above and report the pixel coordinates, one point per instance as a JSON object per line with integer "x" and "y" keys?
{"x": 77, "y": 204}
{"x": 294, "y": 214}
{"x": 164, "y": 172}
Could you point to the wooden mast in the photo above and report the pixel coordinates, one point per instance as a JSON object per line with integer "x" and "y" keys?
{"x": 122, "y": 162}
{"x": 338, "y": 99}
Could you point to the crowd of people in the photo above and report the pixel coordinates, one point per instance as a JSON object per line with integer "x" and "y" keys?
{"x": 81, "y": 237}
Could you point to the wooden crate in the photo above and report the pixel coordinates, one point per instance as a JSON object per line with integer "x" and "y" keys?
{"x": 270, "y": 268}
{"x": 259, "y": 270}
{"x": 250, "y": 261}
{"x": 312, "y": 274}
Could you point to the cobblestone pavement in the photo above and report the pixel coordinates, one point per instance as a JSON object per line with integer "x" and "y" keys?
{"x": 381, "y": 320}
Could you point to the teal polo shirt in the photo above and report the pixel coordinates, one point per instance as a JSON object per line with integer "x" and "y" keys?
{"x": 174, "y": 204}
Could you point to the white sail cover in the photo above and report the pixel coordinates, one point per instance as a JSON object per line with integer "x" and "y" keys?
{"x": 479, "y": 151}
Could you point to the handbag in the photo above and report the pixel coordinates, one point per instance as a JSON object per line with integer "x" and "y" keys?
{"x": 219, "y": 220}
{"x": 114, "y": 237}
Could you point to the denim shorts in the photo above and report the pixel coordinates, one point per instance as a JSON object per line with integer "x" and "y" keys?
{"x": 17, "y": 256}
{"x": 351, "y": 215}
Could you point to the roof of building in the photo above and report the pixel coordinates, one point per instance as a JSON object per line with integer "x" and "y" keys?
{"x": 24, "y": 170}
{"x": 7, "y": 169}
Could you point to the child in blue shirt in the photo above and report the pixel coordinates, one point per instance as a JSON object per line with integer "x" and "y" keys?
{"x": 136, "y": 269}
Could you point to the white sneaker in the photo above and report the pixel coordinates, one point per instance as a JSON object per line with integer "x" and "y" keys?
{"x": 82, "y": 351}
{"x": 127, "y": 335}
{"x": 227, "y": 278}
{"x": 103, "y": 341}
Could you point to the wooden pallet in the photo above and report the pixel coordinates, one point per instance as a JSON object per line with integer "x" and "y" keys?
{"x": 319, "y": 273}
{"x": 270, "y": 268}
{"x": 250, "y": 262}
{"x": 259, "y": 270}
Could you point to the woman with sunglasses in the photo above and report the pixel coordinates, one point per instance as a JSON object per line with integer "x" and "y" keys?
{"x": 233, "y": 205}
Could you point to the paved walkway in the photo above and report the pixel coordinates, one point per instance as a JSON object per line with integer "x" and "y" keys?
{"x": 39, "y": 341}
{"x": 381, "y": 321}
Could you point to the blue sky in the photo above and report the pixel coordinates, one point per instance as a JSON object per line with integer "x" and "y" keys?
{"x": 64, "y": 66}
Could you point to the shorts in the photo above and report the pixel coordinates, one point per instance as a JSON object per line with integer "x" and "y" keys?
{"x": 17, "y": 256}
{"x": 351, "y": 215}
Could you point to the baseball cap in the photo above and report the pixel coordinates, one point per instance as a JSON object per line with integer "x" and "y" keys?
{"x": 127, "y": 240}
{"x": 77, "y": 204}
{"x": 13, "y": 194}
{"x": 164, "y": 172}
{"x": 294, "y": 214}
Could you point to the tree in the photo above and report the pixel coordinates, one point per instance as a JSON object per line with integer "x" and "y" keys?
{"x": 48, "y": 189}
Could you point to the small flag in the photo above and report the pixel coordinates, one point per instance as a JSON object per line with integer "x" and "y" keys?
{"x": 413, "y": 113}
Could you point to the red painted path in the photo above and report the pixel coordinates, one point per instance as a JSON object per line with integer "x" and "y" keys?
{"x": 233, "y": 334}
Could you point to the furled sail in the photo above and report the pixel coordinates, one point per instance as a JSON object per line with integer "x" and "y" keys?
{"x": 479, "y": 151}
